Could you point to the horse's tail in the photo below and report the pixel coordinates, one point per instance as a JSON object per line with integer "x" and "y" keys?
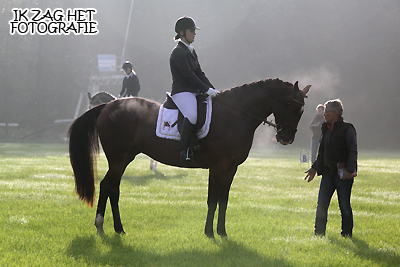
{"x": 83, "y": 148}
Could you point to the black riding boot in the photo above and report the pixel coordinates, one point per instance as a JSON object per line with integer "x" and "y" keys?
{"x": 187, "y": 133}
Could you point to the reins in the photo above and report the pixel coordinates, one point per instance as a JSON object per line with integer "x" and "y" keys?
{"x": 277, "y": 126}
{"x": 264, "y": 121}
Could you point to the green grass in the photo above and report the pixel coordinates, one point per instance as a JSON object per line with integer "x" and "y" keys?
{"x": 270, "y": 215}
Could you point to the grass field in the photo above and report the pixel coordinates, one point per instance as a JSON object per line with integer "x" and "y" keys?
{"x": 270, "y": 215}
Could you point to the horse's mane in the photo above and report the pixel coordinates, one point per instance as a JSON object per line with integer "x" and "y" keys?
{"x": 269, "y": 83}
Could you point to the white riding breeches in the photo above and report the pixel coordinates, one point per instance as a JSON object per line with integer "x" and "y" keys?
{"x": 187, "y": 104}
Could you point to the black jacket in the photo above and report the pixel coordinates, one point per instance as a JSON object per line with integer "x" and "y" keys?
{"x": 338, "y": 146}
{"x": 187, "y": 75}
{"x": 130, "y": 86}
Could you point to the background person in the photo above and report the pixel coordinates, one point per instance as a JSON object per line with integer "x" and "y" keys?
{"x": 315, "y": 127}
{"x": 338, "y": 147}
{"x": 130, "y": 84}
{"x": 188, "y": 80}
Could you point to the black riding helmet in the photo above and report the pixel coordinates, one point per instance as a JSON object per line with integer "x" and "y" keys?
{"x": 126, "y": 65}
{"x": 184, "y": 23}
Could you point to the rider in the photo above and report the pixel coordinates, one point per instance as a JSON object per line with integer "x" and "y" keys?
{"x": 130, "y": 84}
{"x": 188, "y": 80}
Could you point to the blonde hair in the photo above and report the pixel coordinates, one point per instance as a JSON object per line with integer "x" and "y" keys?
{"x": 320, "y": 106}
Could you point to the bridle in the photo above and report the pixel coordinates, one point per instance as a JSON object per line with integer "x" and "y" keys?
{"x": 279, "y": 126}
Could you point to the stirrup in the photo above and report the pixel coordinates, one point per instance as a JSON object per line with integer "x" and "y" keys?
{"x": 187, "y": 156}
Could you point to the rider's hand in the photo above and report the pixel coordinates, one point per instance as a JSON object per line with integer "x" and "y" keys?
{"x": 212, "y": 92}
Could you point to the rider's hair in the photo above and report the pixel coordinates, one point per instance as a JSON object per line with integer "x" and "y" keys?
{"x": 319, "y": 106}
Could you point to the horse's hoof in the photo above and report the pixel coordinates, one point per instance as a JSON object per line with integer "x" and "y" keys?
{"x": 222, "y": 232}
{"x": 209, "y": 234}
{"x": 98, "y": 222}
{"x": 225, "y": 236}
{"x": 120, "y": 230}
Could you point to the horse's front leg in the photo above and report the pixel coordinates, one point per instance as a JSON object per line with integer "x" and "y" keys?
{"x": 212, "y": 206}
{"x": 212, "y": 200}
{"x": 221, "y": 230}
{"x": 219, "y": 183}
{"x": 223, "y": 200}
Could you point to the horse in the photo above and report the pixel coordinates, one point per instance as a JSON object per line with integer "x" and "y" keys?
{"x": 126, "y": 128}
{"x": 100, "y": 98}
{"x": 104, "y": 97}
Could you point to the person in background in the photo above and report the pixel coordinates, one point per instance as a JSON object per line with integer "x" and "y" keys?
{"x": 130, "y": 84}
{"x": 188, "y": 80}
{"x": 315, "y": 127}
{"x": 337, "y": 163}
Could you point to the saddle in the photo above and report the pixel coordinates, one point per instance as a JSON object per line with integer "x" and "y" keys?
{"x": 201, "y": 111}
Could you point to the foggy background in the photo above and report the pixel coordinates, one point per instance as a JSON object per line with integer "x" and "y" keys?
{"x": 345, "y": 49}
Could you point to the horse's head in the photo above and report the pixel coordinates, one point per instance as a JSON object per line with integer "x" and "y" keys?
{"x": 287, "y": 116}
{"x": 100, "y": 98}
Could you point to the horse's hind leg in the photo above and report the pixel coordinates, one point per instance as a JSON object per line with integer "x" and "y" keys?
{"x": 109, "y": 188}
{"x": 114, "y": 199}
{"x": 101, "y": 205}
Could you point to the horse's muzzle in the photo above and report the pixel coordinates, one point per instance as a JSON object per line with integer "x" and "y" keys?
{"x": 283, "y": 140}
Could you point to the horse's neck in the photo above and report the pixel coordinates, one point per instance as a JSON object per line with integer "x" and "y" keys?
{"x": 253, "y": 99}
{"x": 106, "y": 96}
{"x": 256, "y": 100}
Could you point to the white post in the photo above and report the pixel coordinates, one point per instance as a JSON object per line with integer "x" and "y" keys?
{"x": 78, "y": 107}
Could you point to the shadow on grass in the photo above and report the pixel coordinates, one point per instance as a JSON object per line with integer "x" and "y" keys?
{"x": 144, "y": 179}
{"x": 111, "y": 251}
{"x": 361, "y": 249}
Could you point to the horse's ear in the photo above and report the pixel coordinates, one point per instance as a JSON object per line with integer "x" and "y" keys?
{"x": 306, "y": 89}
{"x": 296, "y": 86}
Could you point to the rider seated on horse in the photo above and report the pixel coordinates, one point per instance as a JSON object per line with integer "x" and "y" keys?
{"x": 188, "y": 80}
{"x": 130, "y": 84}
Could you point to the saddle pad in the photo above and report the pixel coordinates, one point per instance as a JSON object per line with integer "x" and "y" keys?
{"x": 167, "y": 128}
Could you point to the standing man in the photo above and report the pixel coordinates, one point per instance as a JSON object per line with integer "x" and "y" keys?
{"x": 130, "y": 84}
{"x": 337, "y": 163}
{"x": 315, "y": 127}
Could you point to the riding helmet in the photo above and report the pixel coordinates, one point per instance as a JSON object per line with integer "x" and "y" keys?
{"x": 184, "y": 23}
{"x": 127, "y": 64}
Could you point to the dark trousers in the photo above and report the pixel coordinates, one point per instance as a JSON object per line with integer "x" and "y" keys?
{"x": 329, "y": 183}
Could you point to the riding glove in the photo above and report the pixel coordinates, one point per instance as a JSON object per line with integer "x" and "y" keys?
{"x": 212, "y": 92}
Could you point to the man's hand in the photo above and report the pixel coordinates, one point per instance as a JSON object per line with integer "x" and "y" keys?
{"x": 310, "y": 174}
{"x": 347, "y": 175}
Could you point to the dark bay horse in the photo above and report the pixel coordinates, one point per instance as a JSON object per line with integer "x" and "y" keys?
{"x": 100, "y": 98}
{"x": 126, "y": 127}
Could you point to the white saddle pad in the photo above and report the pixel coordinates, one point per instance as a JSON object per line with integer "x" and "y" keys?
{"x": 167, "y": 117}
